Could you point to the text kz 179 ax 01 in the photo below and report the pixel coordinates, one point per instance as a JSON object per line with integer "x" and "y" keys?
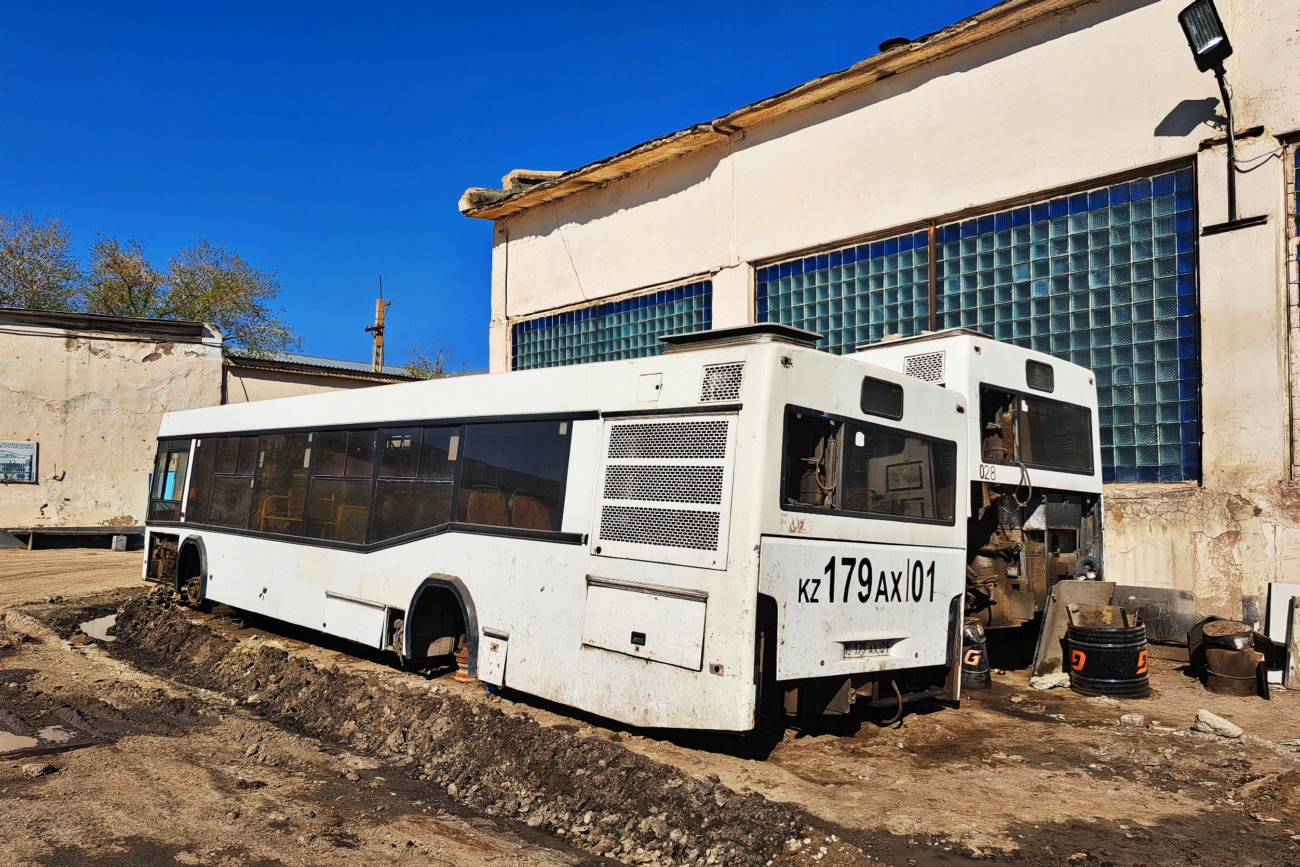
{"x": 741, "y": 527}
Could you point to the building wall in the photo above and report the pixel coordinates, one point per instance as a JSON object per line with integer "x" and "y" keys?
{"x": 1101, "y": 90}
{"x": 93, "y": 400}
{"x": 243, "y": 384}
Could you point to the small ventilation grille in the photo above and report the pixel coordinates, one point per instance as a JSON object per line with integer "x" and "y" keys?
{"x": 722, "y": 381}
{"x": 682, "y": 440}
{"x": 664, "y": 484}
{"x": 676, "y": 528}
{"x": 928, "y": 366}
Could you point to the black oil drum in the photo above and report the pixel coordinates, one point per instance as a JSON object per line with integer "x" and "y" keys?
{"x": 1107, "y": 660}
{"x": 975, "y": 673}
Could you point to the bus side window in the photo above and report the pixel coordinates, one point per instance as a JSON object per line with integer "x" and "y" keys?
{"x": 512, "y": 474}
{"x": 232, "y": 482}
{"x": 416, "y": 475}
{"x": 205, "y": 455}
{"x": 281, "y": 488}
{"x": 338, "y": 497}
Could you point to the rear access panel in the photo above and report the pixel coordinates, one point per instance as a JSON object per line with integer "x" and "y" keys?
{"x": 661, "y": 624}
{"x": 851, "y": 608}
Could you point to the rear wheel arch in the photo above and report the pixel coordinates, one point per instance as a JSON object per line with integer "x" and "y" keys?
{"x": 432, "y": 596}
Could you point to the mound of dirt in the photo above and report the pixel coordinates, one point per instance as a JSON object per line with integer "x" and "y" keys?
{"x": 590, "y": 792}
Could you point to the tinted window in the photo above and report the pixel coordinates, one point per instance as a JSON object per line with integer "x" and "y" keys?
{"x": 205, "y": 455}
{"x": 1039, "y": 375}
{"x": 851, "y": 467}
{"x": 882, "y": 398}
{"x": 416, "y": 475}
{"x": 168, "y": 488}
{"x": 889, "y": 472}
{"x": 338, "y": 499}
{"x": 1058, "y": 435}
{"x": 232, "y": 482}
{"x": 512, "y": 474}
{"x": 281, "y": 489}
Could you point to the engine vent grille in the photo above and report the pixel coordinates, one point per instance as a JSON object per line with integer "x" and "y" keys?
{"x": 722, "y": 381}
{"x": 664, "y": 484}
{"x": 666, "y": 490}
{"x": 676, "y": 528}
{"x": 680, "y": 440}
{"x": 928, "y": 366}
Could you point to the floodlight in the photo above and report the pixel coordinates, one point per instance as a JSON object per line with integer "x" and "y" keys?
{"x": 1205, "y": 34}
{"x": 1210, "y": 46}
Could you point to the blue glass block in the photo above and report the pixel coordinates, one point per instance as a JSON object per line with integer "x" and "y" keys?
{"x": 1183, "y": 179}
{"x": 1148, "y": 473}
{"x": 1140, "y": 189}
{"x": 1162, "y": 184}
{"x": 1098, "y": 199}
{"x": 1108, "y": 472}
{"x": 1186, "y": 284}
{"x": 1042, "y": 343}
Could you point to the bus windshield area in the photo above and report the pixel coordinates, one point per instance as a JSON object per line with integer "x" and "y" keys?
{"x": 1035, "y": 431}
{"x": 860, "y": 469}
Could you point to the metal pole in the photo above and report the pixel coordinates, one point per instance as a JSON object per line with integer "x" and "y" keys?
{"x": 1232, "y": 144}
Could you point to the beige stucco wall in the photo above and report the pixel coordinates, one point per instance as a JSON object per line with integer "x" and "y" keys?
{"x": 243, "y": 384}
{"x": 1058, "y": 104}
{"x": 94, "y": 401}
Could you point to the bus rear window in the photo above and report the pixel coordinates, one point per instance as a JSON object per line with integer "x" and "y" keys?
{"x": 1051, "y": 434}
{"x": 857, "y": 468}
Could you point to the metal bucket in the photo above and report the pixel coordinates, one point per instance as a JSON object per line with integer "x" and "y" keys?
{"x": 1109, "y": 661}
{"x": 975, "y": 673}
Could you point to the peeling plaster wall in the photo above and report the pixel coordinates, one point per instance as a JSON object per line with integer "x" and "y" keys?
{"x": 1105, "y": 88}
{"x": 94, "y": 402}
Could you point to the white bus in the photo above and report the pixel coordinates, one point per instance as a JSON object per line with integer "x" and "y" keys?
{"x": 740, "y": 526}
{"x": 1035, "y": 465}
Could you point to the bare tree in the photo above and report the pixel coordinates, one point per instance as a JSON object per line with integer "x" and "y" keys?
{"x": 209, "y": 283}
{"x": 37, "y": 268}
{"x": 431, "y": 363}
{"x": 121, "y": 281}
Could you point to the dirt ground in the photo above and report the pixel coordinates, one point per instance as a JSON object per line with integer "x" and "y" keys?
{"x": 31, "y": 575}
{"x": 226, "y": 739}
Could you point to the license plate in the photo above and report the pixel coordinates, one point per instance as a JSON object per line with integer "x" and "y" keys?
{"x": 860, "y": 649}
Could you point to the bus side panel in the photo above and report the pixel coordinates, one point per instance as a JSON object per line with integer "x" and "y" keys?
{"x": 848, "y": 608}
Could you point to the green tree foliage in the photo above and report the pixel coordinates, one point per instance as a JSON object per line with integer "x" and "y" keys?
{"x": 37, "y": 268}
{"x": 208, "y": 283}
{"x": 121, "y": 282}
{"x": 203, "y": 283}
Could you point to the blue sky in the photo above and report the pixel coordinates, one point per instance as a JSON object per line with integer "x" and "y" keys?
{"x": 330, "y": 142}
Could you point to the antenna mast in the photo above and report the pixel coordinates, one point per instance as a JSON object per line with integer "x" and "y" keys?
{"x": 377, "y": 355}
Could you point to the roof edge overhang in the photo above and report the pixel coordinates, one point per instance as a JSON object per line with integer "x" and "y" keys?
{"x": 253, "y": 362}
{"x": 490, "y": 204}
{"x": 177, "y": 330}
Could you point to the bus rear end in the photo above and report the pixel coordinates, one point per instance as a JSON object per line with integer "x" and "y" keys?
{"x": 862, "y": 565}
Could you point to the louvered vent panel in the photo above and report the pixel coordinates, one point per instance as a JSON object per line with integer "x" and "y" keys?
{"x": 665, "y": 484}
{"x": 667, "y": 490}
{"x": 928, "y": 366}
{"x": 687, "y": 440}
{"x": 675, "y": 528}
{"x": 722, "y": 381}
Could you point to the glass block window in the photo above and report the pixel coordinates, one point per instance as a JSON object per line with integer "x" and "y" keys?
{"x": 1105, "y": 278}
{"x": 854, "y": 295}
{"x": 629, "y": 328}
